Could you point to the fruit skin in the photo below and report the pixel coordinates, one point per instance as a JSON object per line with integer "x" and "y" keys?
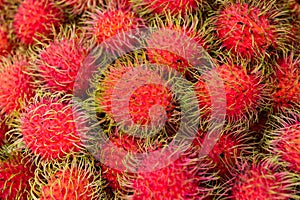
{"x": 244, "y": 92}
{"x": 178, "y": 180}
{"x": 5, "y": 45}
{"x": 77, "y": 7}
{"x": 16, "y": 85}
{"x": 263, "y": 180}
{"x": 35, "y": 20}
{"x": 15, "y": 173}
{"x": 180, "y": 51}
{"x": 59, "y": 63}
{"x": 111, "y": 21}
{"x": 3, "y": 129}
{"x": 174, "y": 7}
{"x": 245, "y": 30}
{"x": 230, "y": 147}
{"x": 286, "y": 84}
{"x": 70, "y": 184}
{"x": 48, "y": 128}
{"x": 283, "y": 139}
{"x": 141, "y": 100}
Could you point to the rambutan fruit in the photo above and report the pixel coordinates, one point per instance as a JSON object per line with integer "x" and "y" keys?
{"x": 110, "y": 21}
{"x": 48, "y": 127}
{"x": 15, "y": 173}
{"x": 249, "y": 30}
{"x": 285, "y": 83}
{"x": 244, "y": 92}
{"x": 263, "y": 180}
{"x": 77, "y": 7}
{"x": 230, "y": 147}
{"x": 284, "y": 140}
{"x": 176, "y": 45}
{"x": 180, "y": 179}
{"x": 3, "y": 129}
{"x": 116, "y": 167}
{"x": 150, "y": 100}
{"x": 160, "y": 7}
{"x": 5, "y": 44}
{"x": 70, "y": 179}
{"x": 59, "y": 61}
{"x": 35, "y": 20}
{"x": 16, "y": 84}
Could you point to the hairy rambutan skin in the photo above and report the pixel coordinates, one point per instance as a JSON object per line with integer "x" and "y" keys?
{"x": 160, "y": 7}
{"x": 59, "y": 63}
{"x": 232, "y": 146}
{"x": 108, "y": 22}
{"x": 178, "y": 180}
{"x": 16, "y": 84}
{"x": 35, "y": 20}
{"x": 5, "y": 44}
{"x": 73, "y": 178}
{"x": 48, "y": 128}
{"x": 15, "y": 173}
{"x": 283, "y": 139}
{"x": 263, "y": 180}
{"x": 3, "y": 129}
{"x": 141, "y": 100}
{"x": 77, "y": 7}
{"x": 245, "y": 30}
{"x": 173, "y": 44}
{"x": 244, "y": 92}
{"x": 286, "y": 84}
{"x": 67, "y": 184}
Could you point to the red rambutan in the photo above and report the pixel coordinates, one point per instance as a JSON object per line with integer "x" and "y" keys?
{"x": 48, "y": 128}
{"x": 111, "y": 21}
{"x": 77, "y": 7}
{"x": 15, "y": 173}
{"x": 5, "y": 45}
{"x": 244, "y": 92}
{"x": 245, "y": 29}
{"x": 175, "y": 45}
{"x": 174, "y": 7}
{"x": 60, "y": 61}
{"x": 16, "y": 84}
{"x": 230, "y": 147}
{"x": 178, "y": 180}
{"x": 35, "y": 20}
{"x": 286, "y": 83}
{"x": 284, "y": 141}
{"x": 3, "y": 129}
{"x": 143, "y": 88}
{"x": 262, "y": 180}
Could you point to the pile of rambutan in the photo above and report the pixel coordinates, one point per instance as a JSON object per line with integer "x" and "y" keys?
{"x": 149, "y": 99}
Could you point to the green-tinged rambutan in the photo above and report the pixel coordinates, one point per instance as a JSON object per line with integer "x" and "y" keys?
{"x": 59, "y": 61}
{"x": 263, "y": 180}
{"x": 16, "y": 84}
{"x": 180, "y": 179}
{"x": 284, "y": 139}
{"x": 15, "y": 173}
{"x": 109, "y": 21}
{"x": 244, "y": 92}
{"x": 249, "y": 29}
{"x": 71, "y": 179}
{"x": 285, "y": 83}
{"x": 35, "y": 20}
{"x": 176, "y": 43}
{"x": 48, "y": 127}
{"x": 160, "y": 7}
